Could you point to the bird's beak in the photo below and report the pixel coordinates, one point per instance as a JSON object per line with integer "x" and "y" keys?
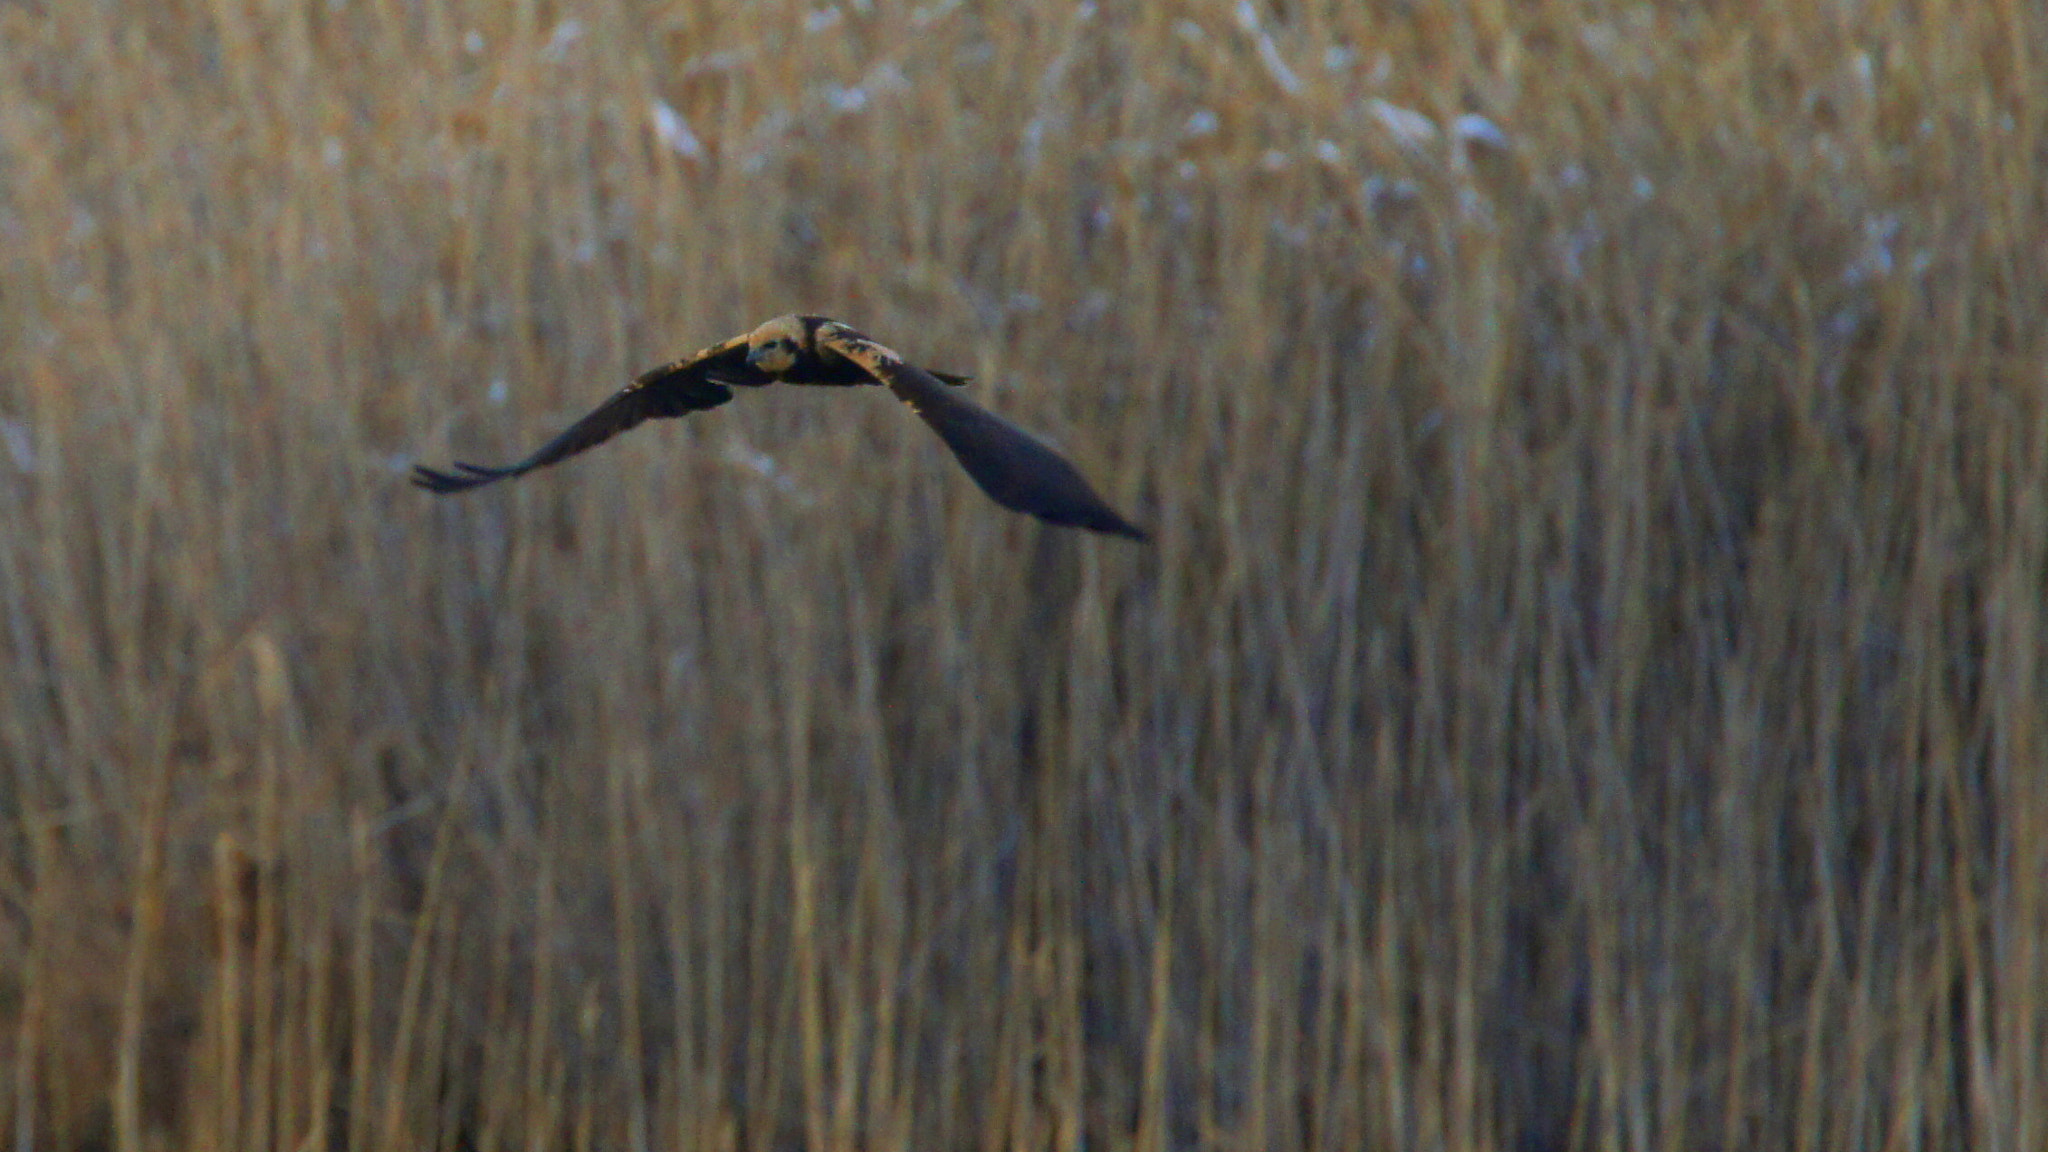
{"x": 773, "y": 357}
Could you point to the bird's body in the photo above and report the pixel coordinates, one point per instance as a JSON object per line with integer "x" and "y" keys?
{"x": 1016, "y": 469}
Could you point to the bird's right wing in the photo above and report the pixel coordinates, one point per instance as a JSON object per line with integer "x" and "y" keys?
{"x": 1016, "y": 469}
{"x": 675, "y": 389}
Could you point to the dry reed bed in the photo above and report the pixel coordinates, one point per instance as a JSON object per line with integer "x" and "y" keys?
{"x": 1586, "y": 690}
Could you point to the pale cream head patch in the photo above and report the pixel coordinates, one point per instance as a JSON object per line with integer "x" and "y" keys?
{"x": 775, "y": 346}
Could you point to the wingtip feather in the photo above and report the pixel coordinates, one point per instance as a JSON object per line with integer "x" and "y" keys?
{"x": 443, "y": 483}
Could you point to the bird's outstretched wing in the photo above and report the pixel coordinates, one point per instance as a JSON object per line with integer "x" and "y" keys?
{"x": 688, "y": 385}
{"x": 1017, "y": 470}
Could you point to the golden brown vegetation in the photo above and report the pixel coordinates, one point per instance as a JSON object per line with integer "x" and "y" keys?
{"x": 1587, "y": 690}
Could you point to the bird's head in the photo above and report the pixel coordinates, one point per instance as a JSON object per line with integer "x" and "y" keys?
{"x": 776, "y": 346}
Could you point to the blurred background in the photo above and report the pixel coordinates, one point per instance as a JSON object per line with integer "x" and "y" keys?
{"x": 1586, "y": 689}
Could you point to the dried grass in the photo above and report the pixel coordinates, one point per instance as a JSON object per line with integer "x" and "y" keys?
{"x": 1587, "y": 690}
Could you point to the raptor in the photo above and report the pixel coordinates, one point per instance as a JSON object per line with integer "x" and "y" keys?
{"x": 1017, "y": 469}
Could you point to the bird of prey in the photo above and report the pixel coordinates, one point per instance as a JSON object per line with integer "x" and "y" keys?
{"x": 1020, "y": 471}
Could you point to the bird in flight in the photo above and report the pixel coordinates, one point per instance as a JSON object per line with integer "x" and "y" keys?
{"x": 1017, "y": 469}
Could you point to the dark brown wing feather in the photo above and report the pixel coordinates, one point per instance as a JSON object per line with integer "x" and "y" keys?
{"x": 1017, "y": 470}
{"x": 671, "y": 390}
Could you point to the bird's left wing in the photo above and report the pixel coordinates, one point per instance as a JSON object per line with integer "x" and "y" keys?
{"x": 1017, "y": 470}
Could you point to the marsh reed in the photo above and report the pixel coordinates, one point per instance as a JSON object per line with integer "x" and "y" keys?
{"x": 1586, "y": 690}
